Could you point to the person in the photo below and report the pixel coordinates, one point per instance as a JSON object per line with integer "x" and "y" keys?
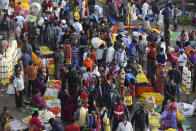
{"x": 146, "y": 25}
{"x": 81, "y": 116}
{"x": 72, "y": 77}
{"x": 31, "y": 71}
{"x": 169, "y": 91}
{"x": 177, "y": 79}
{"x": 55, "y": 126}
{"x": 37, "y": 101}
{"x": 182, "y": 59}
{"x": 161, "y": 57}
{"x": 64, "y": 99}
{"x": 175, "y": 18}
{"x": 172, "y": 59}
{"x": 25, "y": 58}
{"x": 5, "y": 116}
{"x": 141, "y": 49}
{"x": 183, "y": 39}
{"x": 145, "y": 8}
{"x": 110, "y": 97}
{"x": 140, "y": 117}
{"x": 74, "y": 55}
{"x": 121, "y": 81}
{"x": 125, "y": 125}
{"x": 166, "y": 13}
{"x": 63, "y": 71}
{"x": 88, "y": 62}
{"x": 155, "y": 10}
{"x": 192, "y": 61}
{"x": 170, "y": 119}
{"x": 160, "y": 79}
{"x": 120, "y": 56}
{"x": 68, "y": 112}
{"x": 132, "y": 52}
{"x": 18, "y": 8}
{"x": 99, "y": 54}
{"x": 18, "y": 84}
{"x": 51, "y": 34}
{"x": 5, "y": 26}
{"x": 151, "y": 64}
{"x": 184, "y": 6}
{"x": 41, "y": 81}
{"x": 34, "y": 123}
{"x": 110, "y": 54}
{"x": 72, "y": 126}
{"x": 119, "y": 110}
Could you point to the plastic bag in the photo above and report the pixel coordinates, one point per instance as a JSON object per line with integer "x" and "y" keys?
{"x": 186, "y": 109}
{"x": 10, "y": 89}
{"x": 52, "y": 92}
{"x": 15, "y": 125}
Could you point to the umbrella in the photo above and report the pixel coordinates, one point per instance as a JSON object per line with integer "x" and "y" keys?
{"x": 96, "y": 42}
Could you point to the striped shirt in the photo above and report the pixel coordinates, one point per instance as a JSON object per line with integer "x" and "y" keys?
{"x": 74, "y": 53}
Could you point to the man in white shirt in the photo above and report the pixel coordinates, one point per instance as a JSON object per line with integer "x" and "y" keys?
{"x": 18, "y": 84}
{"x": 78, "y": 27}
{"x": 110, "y": 54}
{"x": 20, "y": 20}
{"x": 125, "y": 125}
{"x": 182, "y": 59}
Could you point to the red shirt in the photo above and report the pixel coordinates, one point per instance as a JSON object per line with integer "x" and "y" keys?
{"x": 72, "y": 127}
{"x": 151, "y": 54}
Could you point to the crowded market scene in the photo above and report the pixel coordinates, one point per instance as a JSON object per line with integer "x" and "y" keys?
{"x": 97, "y": 65}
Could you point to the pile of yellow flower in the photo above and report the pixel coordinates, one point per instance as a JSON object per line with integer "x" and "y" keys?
{"x": 158, "y": 97}
{"x": 170, "y": 129}
{"x": 35, "y": 59}
{"x": 46, "y": 97}
{"x": 52, "y": 82}
{"x": 154, "y": 120}
{"x": 51, "y": 69}
{"x": 45, "y": 50}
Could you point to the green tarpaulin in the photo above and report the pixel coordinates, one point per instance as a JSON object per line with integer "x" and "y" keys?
{"x": 174, "y": 36}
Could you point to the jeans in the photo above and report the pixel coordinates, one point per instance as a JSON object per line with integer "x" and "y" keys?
{"x": 31, "y": 86}
{"x": 184, "y": 9}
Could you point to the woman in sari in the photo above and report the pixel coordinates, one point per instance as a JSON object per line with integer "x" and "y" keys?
{"x": 159, "y": 84}
{"x": 35, "y": 124}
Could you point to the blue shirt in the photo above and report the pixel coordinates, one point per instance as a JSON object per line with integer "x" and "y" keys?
{"x": 129, "y": 76}
{"x": 132, "y": 50}
{"x": 26, "y": 59}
